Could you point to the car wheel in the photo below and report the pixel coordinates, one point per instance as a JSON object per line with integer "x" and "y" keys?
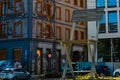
{"x": 117, "y": 74}
{"x": 15, "y": 78}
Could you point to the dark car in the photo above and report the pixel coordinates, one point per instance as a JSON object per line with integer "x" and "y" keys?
{"x": 102, "y": 70}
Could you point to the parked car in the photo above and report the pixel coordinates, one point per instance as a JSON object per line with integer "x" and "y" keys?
{"x": 116, "y": 72}
{"x": 102, "y": 70}
{"x": 14, "y": 74}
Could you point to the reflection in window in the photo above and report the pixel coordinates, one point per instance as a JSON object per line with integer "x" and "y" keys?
{"x": 102, "y": 28}
{"x": 112, "y": 21}
{"x": 104, "y": 50}
{"x": 112, "y": 3}
{"x": 100, "y": 3}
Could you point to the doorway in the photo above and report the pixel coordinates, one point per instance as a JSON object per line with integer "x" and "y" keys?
{"x": 39, "y": 60}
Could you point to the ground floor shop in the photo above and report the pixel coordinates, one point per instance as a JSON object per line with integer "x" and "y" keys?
{"x": 38, "y": 56}
{"x": 109, "y": 50}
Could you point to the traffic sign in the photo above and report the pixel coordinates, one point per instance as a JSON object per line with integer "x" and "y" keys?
{"x": 87, "y": 14}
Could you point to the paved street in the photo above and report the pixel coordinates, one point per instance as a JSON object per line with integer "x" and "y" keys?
{"x": 34, "y": 77}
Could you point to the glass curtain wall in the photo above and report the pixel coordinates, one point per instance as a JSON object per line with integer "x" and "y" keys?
{"x": 108, "y": 49}
{"x": 104, "y": 50}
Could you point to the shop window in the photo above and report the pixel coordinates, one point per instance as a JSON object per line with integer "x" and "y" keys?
{"x": 76, "y": 35}
{"x": 18, "y": 6}
{"x": 17, "y": 53}
{"x": 39, "y": 30}
{"x": 3, "y": 30}
{"x": 58, "y": 33}
{"x": 48, "y": 10}
{"x": 4, "y": 8}
{"x": 75, "y": 2}
{"x": 17, "y": 29}
{"x": 49, "y": 31}
{"x": 67, "y": 15}
{"x": 2, "y": 54}
{"x": 39, "y": 7}
{"x": 58, "y": 12}
{"x": 82, "y": 3}
{"x": 67, "y": 34}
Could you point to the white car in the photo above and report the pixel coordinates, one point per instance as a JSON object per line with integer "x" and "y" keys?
{"x": 116, "y": 72}
{"x": 14, "y": 74}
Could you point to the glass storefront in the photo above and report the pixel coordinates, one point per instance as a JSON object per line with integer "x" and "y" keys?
{"x": 109, "y": 50}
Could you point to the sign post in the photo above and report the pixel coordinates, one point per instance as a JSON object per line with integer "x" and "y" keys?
{"x": 84, "y": 15}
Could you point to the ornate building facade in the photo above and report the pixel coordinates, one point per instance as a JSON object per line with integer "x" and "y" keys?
{"x": 31, "y": 31}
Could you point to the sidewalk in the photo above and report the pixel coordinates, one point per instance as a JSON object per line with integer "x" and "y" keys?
{"x": 41, "y": 77}
{"x": 35, "y": 77}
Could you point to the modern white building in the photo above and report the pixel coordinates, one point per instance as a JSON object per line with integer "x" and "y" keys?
{"x": 109, "y": 29}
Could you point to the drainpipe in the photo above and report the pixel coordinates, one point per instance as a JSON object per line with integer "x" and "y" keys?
{"x": 29, "y": 28}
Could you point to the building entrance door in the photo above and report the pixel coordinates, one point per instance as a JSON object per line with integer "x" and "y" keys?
{"x": 39, "y": 60}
